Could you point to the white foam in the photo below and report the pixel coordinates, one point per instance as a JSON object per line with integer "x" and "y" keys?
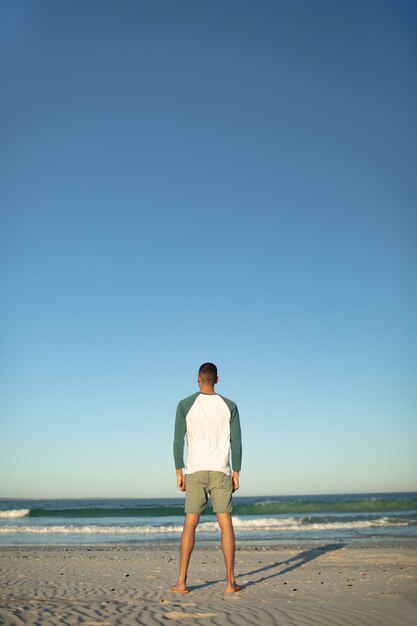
{"x": 14, "y": 513}
{"x": 292, "y": 523}
{"x": 89, "y": 530}
{"x": 261, "y": 524}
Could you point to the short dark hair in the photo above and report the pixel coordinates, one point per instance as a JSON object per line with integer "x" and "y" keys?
{"x": 208, "y": 373}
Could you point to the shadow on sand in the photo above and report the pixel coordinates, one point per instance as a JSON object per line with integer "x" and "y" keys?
{"x": 296, "y": 561}
{"x": 291, "y": 564}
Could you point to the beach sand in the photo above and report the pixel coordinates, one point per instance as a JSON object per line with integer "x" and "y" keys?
{"x": 283, "y": 585}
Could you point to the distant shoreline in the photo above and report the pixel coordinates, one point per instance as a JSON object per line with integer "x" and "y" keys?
{"x": 236, "y": 496}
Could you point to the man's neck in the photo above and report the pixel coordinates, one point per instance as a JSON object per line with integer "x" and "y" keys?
{"x": 208, "y": 389}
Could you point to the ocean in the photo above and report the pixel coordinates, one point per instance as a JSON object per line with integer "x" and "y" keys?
{"x": 95, "y": 521}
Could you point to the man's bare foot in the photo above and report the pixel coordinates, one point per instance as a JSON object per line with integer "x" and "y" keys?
{"x": 232, "y": 588}
{"x": 179, "y": 588}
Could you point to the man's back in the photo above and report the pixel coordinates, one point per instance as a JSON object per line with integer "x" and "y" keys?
{"x": 211, "y": 424}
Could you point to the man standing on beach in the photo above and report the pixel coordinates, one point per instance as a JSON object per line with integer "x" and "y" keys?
{"x": 211, "y": 424}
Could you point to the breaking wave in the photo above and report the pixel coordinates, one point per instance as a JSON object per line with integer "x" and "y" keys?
{"x": 14, "y": 513}
{"x": 251, "y": 506}
{"x": 241, "y": 525}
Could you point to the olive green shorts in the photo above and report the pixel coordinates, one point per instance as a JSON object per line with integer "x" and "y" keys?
{"x": 200, "y": 485}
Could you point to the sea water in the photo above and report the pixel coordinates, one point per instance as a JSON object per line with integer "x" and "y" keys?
{"x": 268, "y": 518}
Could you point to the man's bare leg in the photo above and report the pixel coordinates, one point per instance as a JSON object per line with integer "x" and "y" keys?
{"x": 228, "y": 548}
{"x": 187, "y": 545}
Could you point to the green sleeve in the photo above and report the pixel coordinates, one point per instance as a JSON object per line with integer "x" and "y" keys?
{"x": 181, "y": 427}
{"x": 179, "y": 434}
{"x": 235, "y": 439}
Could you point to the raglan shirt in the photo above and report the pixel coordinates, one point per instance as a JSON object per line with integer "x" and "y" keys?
{"x": 212, "y": 427}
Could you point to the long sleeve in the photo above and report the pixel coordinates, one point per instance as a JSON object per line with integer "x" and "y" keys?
{"x": 235, "y": 439}
{"x": 179, "y": 434}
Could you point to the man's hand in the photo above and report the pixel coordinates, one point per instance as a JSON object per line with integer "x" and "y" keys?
{"x": 235, "y": 479}
{"x": 180, "y": 480}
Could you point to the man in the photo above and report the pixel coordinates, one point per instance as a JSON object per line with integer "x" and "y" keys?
{"x": 211, "y": 424}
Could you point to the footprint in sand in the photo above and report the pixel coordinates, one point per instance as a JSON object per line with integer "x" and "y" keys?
{"x": 179, "y": 615}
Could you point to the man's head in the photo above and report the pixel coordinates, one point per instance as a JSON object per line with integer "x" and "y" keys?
{"x": 207, "y": 375}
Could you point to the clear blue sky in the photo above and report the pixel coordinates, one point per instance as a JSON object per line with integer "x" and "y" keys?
{"x": 189, "y": 181}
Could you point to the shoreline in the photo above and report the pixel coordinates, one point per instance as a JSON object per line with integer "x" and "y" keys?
{"x": 241, "y": 544}
{"x": 275, "y": 544}
{"x": 315, "y": 584}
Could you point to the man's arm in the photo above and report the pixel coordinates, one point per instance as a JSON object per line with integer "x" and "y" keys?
{"x": 236, "y": 446}
{"x": 179, "y": 434}
{"x": 235, "y": 479}
{"x": 180, "y": 480}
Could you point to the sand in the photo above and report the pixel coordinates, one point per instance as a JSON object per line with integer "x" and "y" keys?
{"x": 284, "y": 585}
